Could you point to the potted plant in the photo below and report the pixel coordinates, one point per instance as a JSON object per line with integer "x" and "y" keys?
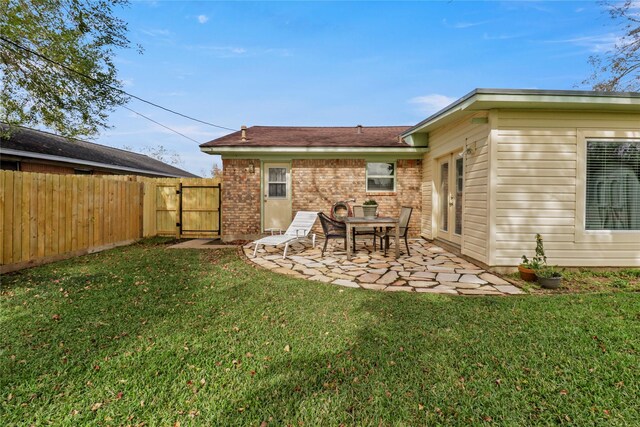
{"x": 549, "y": 277}
{"x": 528, "y": 267}
{"x": 370, "y": 207}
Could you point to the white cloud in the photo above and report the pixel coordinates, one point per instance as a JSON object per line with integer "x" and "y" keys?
{"x": 491, "y": 37}
{"x": 462, "y": 25}
{"x": 236, "y": 51}
{"x": 596, "y": 44}
{"x": 157, "y": 32}
{"x": 429, "y": 104}
{"x": 203, "y": 19}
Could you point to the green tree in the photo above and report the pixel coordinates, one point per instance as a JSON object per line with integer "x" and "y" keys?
{"x": 619, "y": 68}
{"x": 75, "y": 97}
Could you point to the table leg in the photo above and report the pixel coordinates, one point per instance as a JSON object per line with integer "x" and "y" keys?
{"x": 348, "y": 242}
{"x": 397, "y": 227}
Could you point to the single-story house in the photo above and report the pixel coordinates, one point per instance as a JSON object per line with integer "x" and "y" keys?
{"x": 31, "y": 150}
{"x": 484, "y": 175}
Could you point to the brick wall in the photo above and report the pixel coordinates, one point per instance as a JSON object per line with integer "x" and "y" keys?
{"x": 318, "y": 184}
{"x": 240, "y": 198}
{"x": 45, "y": 168}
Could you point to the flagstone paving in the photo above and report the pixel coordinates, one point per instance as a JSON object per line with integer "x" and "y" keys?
{"x": 429, "y": 269}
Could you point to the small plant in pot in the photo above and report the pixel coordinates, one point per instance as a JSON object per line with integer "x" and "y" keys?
{"x": 370, "y": 207}
{"x": 549, "y": 277}
{"x": 528, "y": 267}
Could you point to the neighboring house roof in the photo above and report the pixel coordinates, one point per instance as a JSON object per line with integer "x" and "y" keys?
{"x": 290, "y": 136}
{"x": 533, "y": 99}
{"x": 35, "y": 144}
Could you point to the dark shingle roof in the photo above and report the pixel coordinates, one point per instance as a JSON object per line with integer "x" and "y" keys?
{"x": 291, "y": 136}
{"x": 44, "y": 143}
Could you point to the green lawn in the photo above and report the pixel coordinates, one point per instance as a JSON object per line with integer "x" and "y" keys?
{"x": 143, "y": 334}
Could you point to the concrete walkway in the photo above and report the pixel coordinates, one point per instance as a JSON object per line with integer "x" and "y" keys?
{"x": 429, "y": 268}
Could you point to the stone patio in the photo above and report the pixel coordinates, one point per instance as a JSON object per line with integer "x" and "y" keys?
{"x": 429, "y": 269}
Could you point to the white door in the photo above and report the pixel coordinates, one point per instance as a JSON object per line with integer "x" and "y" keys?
{"x": 450, "y": 195}
{"x": 276, "y": 196}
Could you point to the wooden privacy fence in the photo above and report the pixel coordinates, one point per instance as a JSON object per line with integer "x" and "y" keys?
{"x": 47, "y": 217}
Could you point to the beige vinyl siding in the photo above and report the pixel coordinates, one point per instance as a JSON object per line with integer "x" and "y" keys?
{"x": 442, "y": 141}
{"x": 427, "y": 194}
{"x": 539, "y": 181}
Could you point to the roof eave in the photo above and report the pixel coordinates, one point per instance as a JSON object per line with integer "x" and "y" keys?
{"x": 485, "y": 99}
{"x": 49, "y": 157}
{"x": 298, "y": 151}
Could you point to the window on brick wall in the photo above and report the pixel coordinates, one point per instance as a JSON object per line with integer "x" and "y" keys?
{"x": 9, "y": 165}
{"x": 381, "y": 176}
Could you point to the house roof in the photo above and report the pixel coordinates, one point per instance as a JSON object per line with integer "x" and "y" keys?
{"x": 333, "y": 137}
{"x": 31, "y": 143}
{"x": 486, "y": 99}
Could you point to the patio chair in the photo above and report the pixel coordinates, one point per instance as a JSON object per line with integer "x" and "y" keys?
{"x": 299, "y": 229}
{"x": 332, "y": 230}
{"x": 362, "y": 231}
{"x": 403, "y": 223}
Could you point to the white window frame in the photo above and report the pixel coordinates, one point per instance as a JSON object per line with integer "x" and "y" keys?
{"x": 367, "y": 176}
{"x": 581, "y": 233}
{"x": 285, "y": 182}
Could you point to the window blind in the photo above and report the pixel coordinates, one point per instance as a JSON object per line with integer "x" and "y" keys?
{"x": 613, "y": 185}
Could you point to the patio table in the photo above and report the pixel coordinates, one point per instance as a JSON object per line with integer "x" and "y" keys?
{"x": 356, "y": 221}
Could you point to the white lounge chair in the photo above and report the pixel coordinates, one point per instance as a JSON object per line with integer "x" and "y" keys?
{"x": 299, "y": 229}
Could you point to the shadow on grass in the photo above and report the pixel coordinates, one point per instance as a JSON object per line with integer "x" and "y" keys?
{"x": 425, "y": 359}
{"x": 202, "y": 337}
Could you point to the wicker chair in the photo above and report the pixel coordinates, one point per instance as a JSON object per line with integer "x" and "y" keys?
{"x": 362, "y": 231}
{"x": 405, "y": 216}
{"x": 332, "y": 230}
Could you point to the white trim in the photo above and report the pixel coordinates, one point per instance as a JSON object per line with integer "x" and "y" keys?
{"x": 409, "y": 151}
{"x": 367, "y": 176}
{"x": 31, "y": 155}
{"x": 581, "y": 233}
{"x": 488, "y": 99}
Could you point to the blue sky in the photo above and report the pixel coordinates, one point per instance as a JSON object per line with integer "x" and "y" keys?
{"x": 337, "y": 63}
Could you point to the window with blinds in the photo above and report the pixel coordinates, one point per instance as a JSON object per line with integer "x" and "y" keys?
{"x": 613, "y": 185}
{"x": 277, "y": 184}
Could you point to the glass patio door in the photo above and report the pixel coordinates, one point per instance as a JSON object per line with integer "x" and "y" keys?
{"x": 450, "y": 192}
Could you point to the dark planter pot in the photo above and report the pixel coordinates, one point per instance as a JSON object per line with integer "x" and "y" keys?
{"x": 370, "y": 211}
{"x": 527, "y": 274}
{"x": 550, "y": 282}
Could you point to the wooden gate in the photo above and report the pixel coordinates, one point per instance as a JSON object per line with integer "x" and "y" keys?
{"x": 199, "y": 210}
{"x": 188, "y": 209}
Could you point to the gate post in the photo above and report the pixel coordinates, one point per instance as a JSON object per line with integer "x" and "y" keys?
{"x": 179, "y": 212}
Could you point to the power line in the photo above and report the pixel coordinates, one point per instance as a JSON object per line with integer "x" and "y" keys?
{"x": 160, "y": 124}
{"x": 11, "y": 42}
{"x": 157, "y": 123}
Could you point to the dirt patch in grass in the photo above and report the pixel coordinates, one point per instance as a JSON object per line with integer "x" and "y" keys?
{"x": 585, "y": 280}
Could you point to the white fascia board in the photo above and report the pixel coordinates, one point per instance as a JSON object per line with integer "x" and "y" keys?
{"x": 455, "y": 110}
{"x": 30, "y": 155}
{"x": 317, "y": 151}
{"x": 484, "y": 100}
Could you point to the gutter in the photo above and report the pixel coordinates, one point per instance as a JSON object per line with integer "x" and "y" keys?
{"x": 28, "y": 154}
{"x": 312, "y": 150}
{"x": 522, "y": 95}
